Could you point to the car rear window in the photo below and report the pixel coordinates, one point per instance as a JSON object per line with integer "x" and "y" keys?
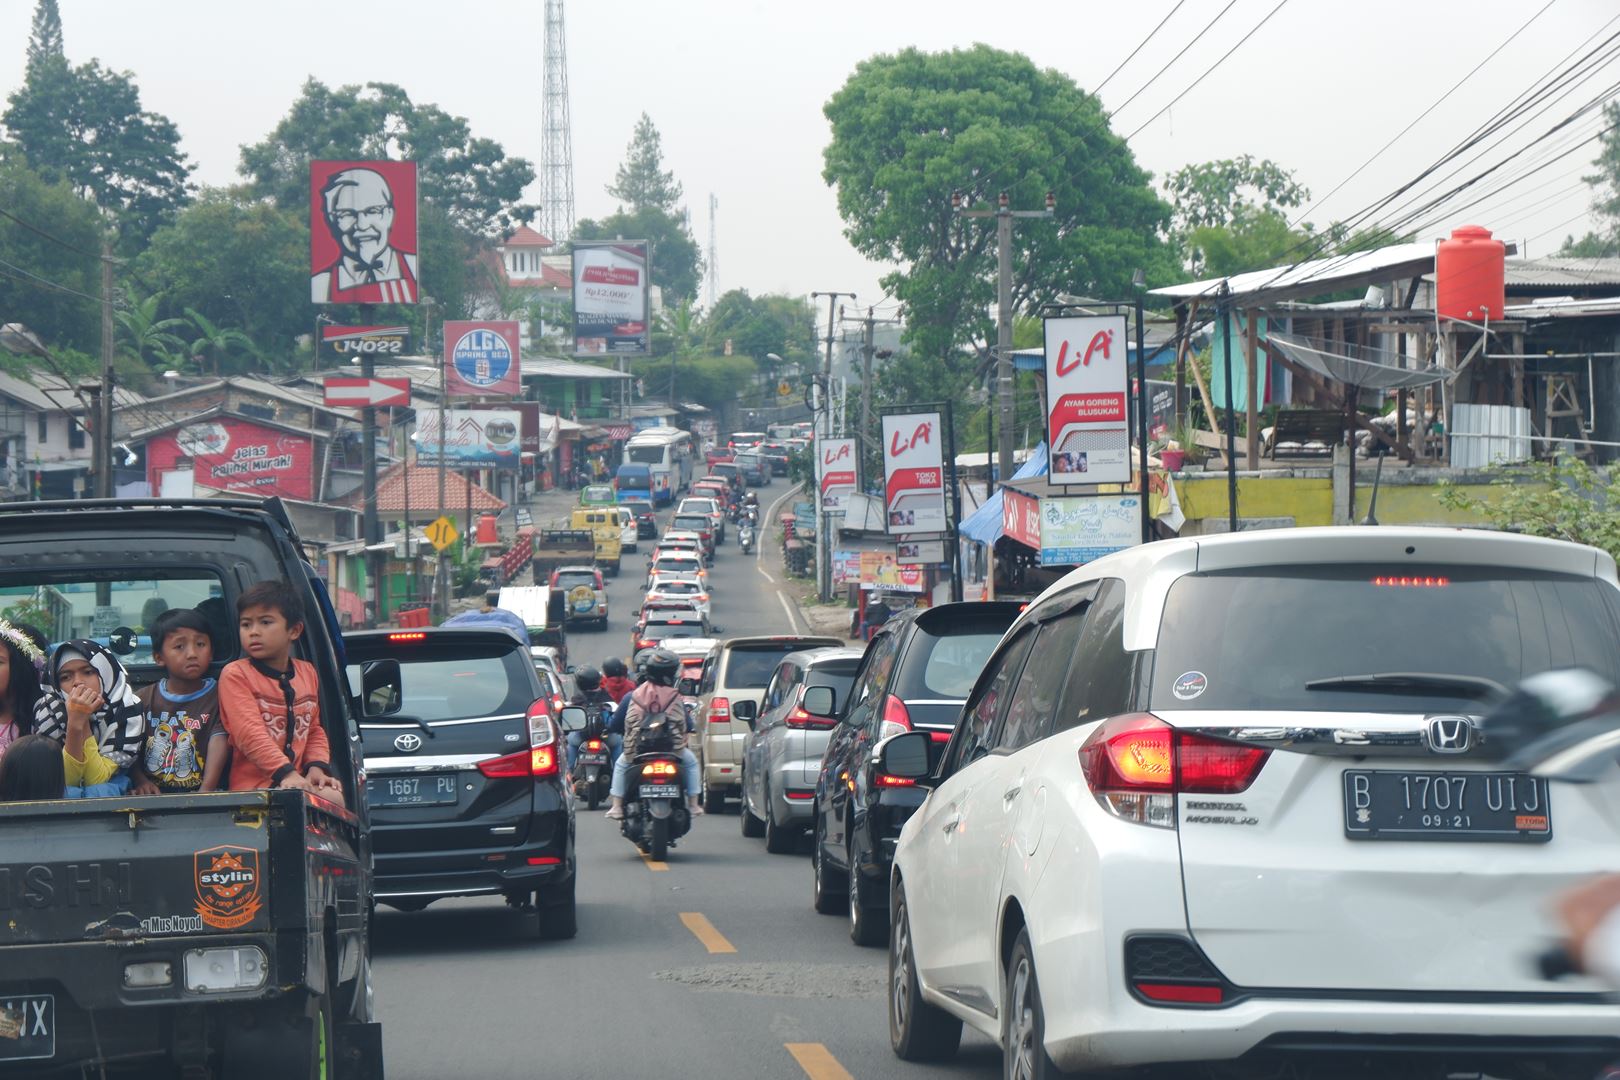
{"x": 749, "y": 667}
{"x": 1253, "y": 639}
{"x": 678, "y": 587}
{"x": 658, "y": 630}
{"x": 944, "y": 663}
{"x": 672, "y": 562}
{"x": 693, "y": 522}
{"x": 838, "y": 674}
{"x": 567, "y": 579}
{"x": 447, "y": 681}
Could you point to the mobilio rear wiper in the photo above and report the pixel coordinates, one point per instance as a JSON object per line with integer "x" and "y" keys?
{"x": 1414, "y": 682}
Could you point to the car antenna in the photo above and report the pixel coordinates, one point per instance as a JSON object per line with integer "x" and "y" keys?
{"x": 1372, "y": 500}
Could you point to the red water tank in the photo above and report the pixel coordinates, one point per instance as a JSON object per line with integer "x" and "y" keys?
{"x": 1470, "y": 276}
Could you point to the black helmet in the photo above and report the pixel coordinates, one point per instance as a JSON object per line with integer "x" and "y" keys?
{"x": 662, "y": 666}
{"x": 588, "y": 679}
{"x": 614, "y": 668}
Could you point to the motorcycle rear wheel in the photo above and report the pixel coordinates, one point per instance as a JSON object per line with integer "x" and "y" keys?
{"x": 660, "y": 839}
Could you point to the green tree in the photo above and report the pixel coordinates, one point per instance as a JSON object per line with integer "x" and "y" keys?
{"x": 1252, "y": 240}
{"x": 85, "y": 125}
{"x": 147, "y": 338}
{"x": 911, "y": 129}
{"x": 642, "y": 183}
{"x": 240, "y": 262}
{"x": 66, "y": 313}
{"x": 470, "y": 179}
{"x": 677, "y": 264}
{"x": 1564, "y": 498}
{"x": 224, "y": 351}
{"x": 1605, "y": 185}
{"x": 1216, "y": 193}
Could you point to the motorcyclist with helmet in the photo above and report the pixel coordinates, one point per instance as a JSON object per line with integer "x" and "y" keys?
{"x": 598, "y": 704}
{"x": 656, "y": 696}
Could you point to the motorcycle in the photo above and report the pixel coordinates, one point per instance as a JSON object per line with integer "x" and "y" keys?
{"x": 655, "y": 813}
{"x": 745, "y": 537}
{"x": 593, "y": 767}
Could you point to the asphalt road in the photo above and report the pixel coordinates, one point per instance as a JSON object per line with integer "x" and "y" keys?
{"x": 712, "y": 964}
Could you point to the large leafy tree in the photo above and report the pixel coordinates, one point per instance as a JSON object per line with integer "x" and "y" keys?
{"x": 470, "y": 179}
{"x": 911, "y": 129}
{"x": 1231, "y": 215}
{"x": 241, "y": 263}
{"x": 642, "y": 181}
{"x": 49, "y": 287}
{"x": 85, "y": 125}
{"x": 1605, "y": 184}
{"x": 677, "y": 264}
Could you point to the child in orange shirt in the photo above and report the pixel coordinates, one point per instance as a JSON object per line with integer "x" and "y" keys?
{"x": 271, "y": 703}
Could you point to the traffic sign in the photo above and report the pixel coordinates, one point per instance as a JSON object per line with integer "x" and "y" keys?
{"x": 784, "y": 388}
{"x": 343, "y": 391}
{"x": 441, "y": 532}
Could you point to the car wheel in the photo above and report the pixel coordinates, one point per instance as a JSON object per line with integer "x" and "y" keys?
{"x": 559, "y": 919}
{"x": 1023, "y": 1030}
{"x": 714, "y": 802}
{"x": 752, "y": 827}
{"x": 868, "y": 926}
{"x": 827, "y": 896}
{"x": 918, "y": 1031}
{"x": 779, "y": 840}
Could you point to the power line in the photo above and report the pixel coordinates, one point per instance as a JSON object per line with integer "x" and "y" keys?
{"x": 28, "y": 277}
{"x": 1168, "y": 64}
{"x": 1139, "y": 47}
{"x": 52, "y": 237}
{"x": 1280, "y": 5}
{"x": 1563, "y": 224}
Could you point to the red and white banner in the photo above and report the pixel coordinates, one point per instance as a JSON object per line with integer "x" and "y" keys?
{"x": 836, "y": 473}
{"x": 1087, "y": 376}
{"x": 1021, "y": 518}
{"x": 914, "y": 473}
{"x": 343, "y": 392}
{"x": 362, "y": 232}
{"x": 229, "y": 454}
{"x": 481, "y": 359}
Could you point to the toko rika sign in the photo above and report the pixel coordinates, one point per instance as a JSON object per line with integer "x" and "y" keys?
{"x": 913, "y": 473}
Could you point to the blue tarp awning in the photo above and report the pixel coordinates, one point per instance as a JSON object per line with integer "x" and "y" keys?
{"x": 984, "y": 524}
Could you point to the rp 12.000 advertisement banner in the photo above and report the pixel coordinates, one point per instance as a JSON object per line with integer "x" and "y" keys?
{"x": 835, "y": 473}
{"x": 481, "y": 359}
{"x": 362, "y": 232}
{"x": 913, "y": 473}
{"x": 610, "y": 299}
{"x": 1086, "y": 382}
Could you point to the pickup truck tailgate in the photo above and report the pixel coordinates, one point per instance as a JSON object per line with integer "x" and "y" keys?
{"x": 125, "y": 868}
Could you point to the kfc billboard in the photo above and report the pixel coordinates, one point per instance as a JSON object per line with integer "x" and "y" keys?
{"x": 913, "y": 473}
{"x": 836, "y": 468}
{"x": 362, "y": 232}
{"x": 481, "y": 359}
{"x": 1086, "y": 383}
{"x": 611, "y": 316}
{"x": 229, "y": 454}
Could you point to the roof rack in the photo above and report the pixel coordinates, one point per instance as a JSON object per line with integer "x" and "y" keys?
{"x": 272, "y": 506}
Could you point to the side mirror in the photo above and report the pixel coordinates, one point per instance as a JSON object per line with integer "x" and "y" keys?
{"x": 688, "y": 688}
{"x": 820, "y": 701}
{"x": 573, "y": 718}
{"x": 905, "y": 756}
{"x": 381, "y": 688}
{"x": 1562, "y": 724}
{"x": 746, "y": 711}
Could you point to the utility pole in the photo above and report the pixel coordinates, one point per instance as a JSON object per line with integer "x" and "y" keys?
{"x": 1004, "y": 215}
{"x": 368, "y": 458}
{"x": 823, "y": 431}
{"x": 868, "y": 350}
{"x": 102, "y": 455}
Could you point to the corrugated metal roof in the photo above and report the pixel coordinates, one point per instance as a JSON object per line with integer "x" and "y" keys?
{"x": 1596, "y": 307}
{"x": 1562, "y": 273}
{"x": 1317, "y": 275}
{"x": 556, "y": 367}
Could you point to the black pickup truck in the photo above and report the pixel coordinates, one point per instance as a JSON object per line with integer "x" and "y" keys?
{"x": 195, "y": 936}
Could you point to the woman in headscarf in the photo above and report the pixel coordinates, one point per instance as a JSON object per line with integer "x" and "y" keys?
{"x": 94, "y": 714}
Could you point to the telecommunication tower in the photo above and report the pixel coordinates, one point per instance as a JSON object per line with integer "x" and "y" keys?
{"x": 714, "y": 256}
{"x": 557, "y": 147}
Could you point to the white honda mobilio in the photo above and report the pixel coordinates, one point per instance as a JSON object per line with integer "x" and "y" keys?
{"x": 1224, "y": 800}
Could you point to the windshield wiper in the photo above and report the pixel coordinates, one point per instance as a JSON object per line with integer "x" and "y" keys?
{"x": 1413, "y": 682}
{"x": 383, "y": 721}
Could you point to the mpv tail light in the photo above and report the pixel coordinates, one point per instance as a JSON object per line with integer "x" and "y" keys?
{"x": 539, "y": 760}
{"x": 896, "y": 718}
{"x": 720, "y": 710}
{"x": 1137, "y": 764}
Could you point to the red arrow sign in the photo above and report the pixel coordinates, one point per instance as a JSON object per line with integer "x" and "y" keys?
{"x": 345, "y": 392}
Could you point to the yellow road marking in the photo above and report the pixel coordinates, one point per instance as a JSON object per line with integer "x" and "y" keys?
{"x": 704, "y": 931}
{"x": 817, "y": 1061}
{"x": 653, "y": 864}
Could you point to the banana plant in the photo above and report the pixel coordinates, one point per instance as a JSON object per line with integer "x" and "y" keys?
{"x": 149, "y": 338}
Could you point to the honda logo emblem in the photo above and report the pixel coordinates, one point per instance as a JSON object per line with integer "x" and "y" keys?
{"x": 408, "y": 743}
{"x": 1451, "y": 734}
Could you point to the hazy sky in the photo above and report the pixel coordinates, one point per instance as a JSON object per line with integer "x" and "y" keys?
{"x": 736, "y": 88}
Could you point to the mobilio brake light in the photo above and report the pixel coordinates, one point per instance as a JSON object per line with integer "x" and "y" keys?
{"x": 1136, "y": 765}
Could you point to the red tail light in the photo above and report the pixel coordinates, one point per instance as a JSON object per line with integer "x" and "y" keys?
{"x": 896, "y": 718}
{"x": 1137, "y": 764}
{"x": 538, "y": 762}
{"x": 720, "y": 711}
{"x": 660, "y": 768}
{"x": 1182, "y": 993}
{"x": 593, "y": 744}
{"x": 409, "y": 635}
{"x": 885, "y": 780}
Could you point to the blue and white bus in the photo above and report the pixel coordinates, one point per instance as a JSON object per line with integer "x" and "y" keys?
{"x": 667, "y": 452}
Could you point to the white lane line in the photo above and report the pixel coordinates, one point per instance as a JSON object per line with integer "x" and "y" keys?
{"x": 793, "y": 621}
{"x": 759, "y": 550}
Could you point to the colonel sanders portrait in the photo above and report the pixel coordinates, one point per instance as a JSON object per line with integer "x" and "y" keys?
{"x": 359, "y": 209}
